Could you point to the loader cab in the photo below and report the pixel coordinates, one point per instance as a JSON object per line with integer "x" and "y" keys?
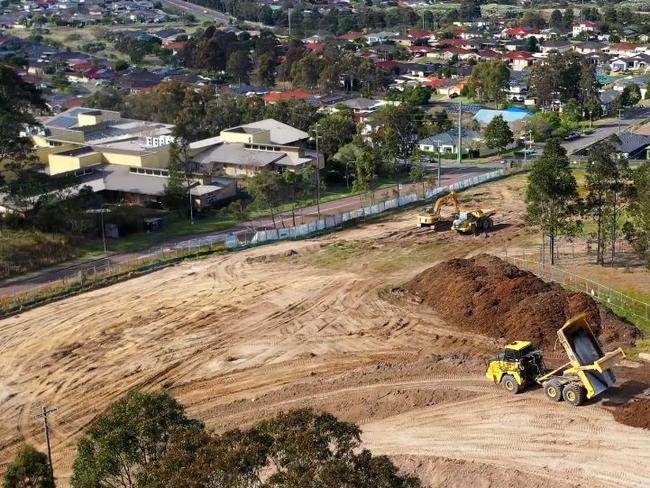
{"x": 515, "y": 351}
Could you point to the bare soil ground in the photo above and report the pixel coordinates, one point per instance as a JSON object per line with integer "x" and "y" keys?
{"x": 319, "y": 323}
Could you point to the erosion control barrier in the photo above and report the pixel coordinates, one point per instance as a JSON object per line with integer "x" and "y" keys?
{"x": 333, "y": 221}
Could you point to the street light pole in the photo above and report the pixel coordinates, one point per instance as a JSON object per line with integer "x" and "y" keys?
{"x": 103, "y": 231}
{"x": 317, "y": 172}
{"x": 619, "y": 120}
{"x": 439, "y": 167}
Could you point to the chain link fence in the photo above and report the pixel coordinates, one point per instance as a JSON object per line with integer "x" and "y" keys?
{"x": 598, "y": 291}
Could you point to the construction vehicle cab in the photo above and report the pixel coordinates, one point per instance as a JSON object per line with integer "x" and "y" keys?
{"x": 473, "y": 221}
{"x": 517, "y": 367}
{"x": 586, "y": 375}
{"x": 431, "y": 215}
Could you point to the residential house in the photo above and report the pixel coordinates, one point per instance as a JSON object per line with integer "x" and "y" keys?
{"x": 447, "y": 142}
{"x": 248, "y": 149}
{"x": 633, "y": 146}
{"x": 589, "y": 47}
{"x": 519, "y": 60}
{"x": 380, "y": 37}
{"x": 625, "y": 48}
{"x": 555, "y": 45}
{"x": 586, "y": 27}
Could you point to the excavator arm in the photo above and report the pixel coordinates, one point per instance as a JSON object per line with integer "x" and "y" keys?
{"x": 449, "y": 199}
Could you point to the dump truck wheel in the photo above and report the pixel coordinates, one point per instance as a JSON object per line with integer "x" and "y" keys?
{"x": 510, "y": 384}
{"x": 574, "y": 394}
{"x": 553, "y": 391}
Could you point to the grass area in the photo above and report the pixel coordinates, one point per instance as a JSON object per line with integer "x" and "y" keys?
{"x": 174, "y": 227}
{"x": 22, "y": 251}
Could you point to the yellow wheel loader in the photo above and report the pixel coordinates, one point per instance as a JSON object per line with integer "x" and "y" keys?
{"x": 586, "y": 375}
{"x": 431, "y": 215}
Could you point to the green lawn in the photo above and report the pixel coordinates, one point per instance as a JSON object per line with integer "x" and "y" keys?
{"x": 174, "y": 227}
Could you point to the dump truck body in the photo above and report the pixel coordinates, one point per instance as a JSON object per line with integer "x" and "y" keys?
{"x": 473, "y": 221}
{"x": 586, "y": 375}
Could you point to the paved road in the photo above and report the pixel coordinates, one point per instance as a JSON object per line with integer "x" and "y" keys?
{"x": 451, "y": 173}
{"x": 610, "y": 126}
{"x": 197, "y": 10}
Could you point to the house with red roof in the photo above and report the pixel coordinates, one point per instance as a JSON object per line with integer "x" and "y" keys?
{"x": 519, "y": 60}
{"x": 315, "y": 47}
{"x": 520, "y": 32}
{"x": 420, "y": 50}
{"x": 352, "y": 36}
{"x": 625, "y": 48}
{"x": 275, "y": 97}
{"x": 174, "y": 45}
{"x": 584, "y": 26}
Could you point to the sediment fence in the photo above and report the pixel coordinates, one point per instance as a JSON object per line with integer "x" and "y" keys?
{"x": 89, "y": 278}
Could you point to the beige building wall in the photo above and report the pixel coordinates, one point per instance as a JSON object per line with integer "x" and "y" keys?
{"x": 261, "y": 137}
{"x": 60, "y": 163}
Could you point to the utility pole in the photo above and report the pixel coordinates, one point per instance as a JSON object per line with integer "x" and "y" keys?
{"x": 289, "y": 12}
{"x": 45, "y": 413}
{"x": 317, "y": 172}
{"x": 460, "y": 132}
{"x": 439, "y": 166}
{"x": 619, "y": 120}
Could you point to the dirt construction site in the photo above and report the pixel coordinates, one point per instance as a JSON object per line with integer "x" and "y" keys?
{"x": 383, "y": 324}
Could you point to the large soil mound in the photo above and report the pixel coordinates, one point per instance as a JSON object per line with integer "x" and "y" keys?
{"x": 636, "y": 413}
{"x": 490, "y": 296}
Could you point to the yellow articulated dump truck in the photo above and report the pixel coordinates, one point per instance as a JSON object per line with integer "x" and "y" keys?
{"x": 586, "y": 375}
{"x": 431, "y": 215}
{"x": 473, "y": 221}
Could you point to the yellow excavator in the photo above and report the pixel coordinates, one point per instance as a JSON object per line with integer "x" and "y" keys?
{"x": 586, "y": 375}
{"x": 431, "y": 215}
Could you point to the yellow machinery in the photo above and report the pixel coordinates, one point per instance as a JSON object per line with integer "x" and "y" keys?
{"x": 432, "y": 214}
{"x": 586, "y": 375}
{"x": 473, "y": 221}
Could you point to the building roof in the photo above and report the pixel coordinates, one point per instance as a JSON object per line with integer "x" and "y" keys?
{"x": 287, "y": 95}
{"x": 236, "y": 153}
{"x": 281, "y": 133}
{"x": 631, "y": 143}
{"x": 360, "y": 103}
{"x": 485, "y": 116}
{"x": 448, "y": 138}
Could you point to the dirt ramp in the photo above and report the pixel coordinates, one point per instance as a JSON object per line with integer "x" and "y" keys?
{"x": 492, "y": 297}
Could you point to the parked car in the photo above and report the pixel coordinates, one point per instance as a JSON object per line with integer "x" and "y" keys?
{"x": 571, "y": 136}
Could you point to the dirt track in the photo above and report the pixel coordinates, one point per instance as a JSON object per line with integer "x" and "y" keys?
{"x": 312, "y": 323}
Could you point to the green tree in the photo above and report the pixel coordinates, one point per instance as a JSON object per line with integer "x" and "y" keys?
{"x": 175, "y": 195}
{"x": 30, "y": 469}
{"x": 489, "y": 81}
{"x": 300, "y": 448}
{"x": 531, "y": 44}
{"x": 334, "y": 131}
{"x": 19, "y": 101}
{"x": 469, "y": 10}
{"x": 498, "y": 134}
{"x": 556, "y": 20}
{"x": 638, "y": 229}
{"x": 365, "y": 171}
{"x": 345, "y": 159}
{"x": 568, "y": 18}
{"x": 265, "y": 188}
{"x": 552, "y": 195}
{"x": 420, "y": 95}
{"x": 558, "y": 77}
{"x": 238, "y": 66}
{"x": 396, "y": 136}
{"x": 265, "y": 72}
{"x": 607, "y": 179}
{"x": 131, "y": 435}
{"x": 296, "y": 184}
{"x": 417, "y": 174}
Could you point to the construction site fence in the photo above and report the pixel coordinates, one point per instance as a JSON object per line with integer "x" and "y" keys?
{"x": 600, "y": 292}
{"x": 333, "y": 221}
{"x": 103, "y": 272}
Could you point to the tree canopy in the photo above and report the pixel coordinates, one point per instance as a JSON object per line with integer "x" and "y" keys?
{"x": 30, "y": 469}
